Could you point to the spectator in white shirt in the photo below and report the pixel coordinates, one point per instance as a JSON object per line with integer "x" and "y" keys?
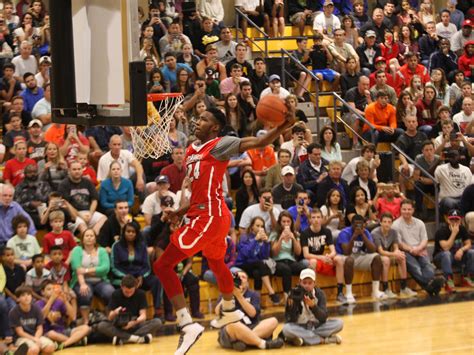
{"x": 274, "y": 88}
{"x": 25, "y": 62}
{"x": 445, "y": 28}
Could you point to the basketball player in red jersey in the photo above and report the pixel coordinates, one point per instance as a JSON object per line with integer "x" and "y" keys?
{"x": 209, "y": 219}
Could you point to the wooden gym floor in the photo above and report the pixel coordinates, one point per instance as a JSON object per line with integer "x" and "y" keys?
{"x": 438, "y": 329}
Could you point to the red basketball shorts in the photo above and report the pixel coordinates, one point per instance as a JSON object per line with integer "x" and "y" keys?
{"x": 203, "y": 233}
{"x": 325, "y": 269}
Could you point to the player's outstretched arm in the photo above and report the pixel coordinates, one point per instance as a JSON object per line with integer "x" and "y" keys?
{"x": 261, "y": 142}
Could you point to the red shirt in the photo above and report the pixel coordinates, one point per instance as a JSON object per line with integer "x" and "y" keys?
{"x": 175, "y": 175}
{"x": 15, "y": 170}
{"x": 89, "y": 173}
{"x": 73, "y": 148}
{"x": 420, "y": 70}
{"x": 64, "y": 239}
{"x": 383, "y": 205}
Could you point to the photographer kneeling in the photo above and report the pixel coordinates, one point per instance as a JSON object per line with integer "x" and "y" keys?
{"x": 249, "y": 331}
{"x": 306, "y": 315}
{"x": 127, "y": 319}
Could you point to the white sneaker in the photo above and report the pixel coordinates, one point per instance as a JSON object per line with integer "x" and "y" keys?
{"x": 390, "y": 294}
{"x": 333, "y": 339}
{"x": 379, "y": 295}
{"x": 227, "y": 317}
{"x": 350, "y": 299}
{"x": 408, "y": 292}
{"x": 190, "y": 333}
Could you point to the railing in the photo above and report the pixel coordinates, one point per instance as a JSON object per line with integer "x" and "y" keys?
{"x": 285, "y": 73}
{"x": 425, "y": 174}
{"x": 238, "y": 16}
{"x": 354, "y": 112}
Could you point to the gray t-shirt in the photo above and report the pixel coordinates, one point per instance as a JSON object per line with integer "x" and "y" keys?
{"x": 421, "y": 161}
{"x": 385, "y": 242}
{"x": 412, "y": 234}
{"x": 29, "y": 321}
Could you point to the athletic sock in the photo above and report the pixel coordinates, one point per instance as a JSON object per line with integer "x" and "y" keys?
{"x": 262, "y": 344}
{"x": 183, "y": 316}
{"x": 228, "y": 305}
{"x": 339, "y": 288}
{"x": 375, "y": 287}
{"x": 348, "y": 290}
{"x": 403, "y": 283}
{"x": 384, "y": 285}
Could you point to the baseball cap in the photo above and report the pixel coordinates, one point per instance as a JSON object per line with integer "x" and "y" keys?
{"x": 287, "y": 170}
{"x": 328, "y": 2}
{"x": 467, "y": 22}
{"x": 370, "y": 33}
{"x": 379, "y": 59}
{"x": 274, "y": 77}
{"x": 308, "y": 273}
{"x": 454, "y": 214}
{"x": 261, "y": 132}
{"x": 162, "y": 179}
{"x": 35, "y": 121}
{"x": 44, "y": 59}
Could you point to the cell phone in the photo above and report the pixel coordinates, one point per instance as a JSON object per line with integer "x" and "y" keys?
{"x": 301, "y": 202}
{"x": 156, "y": 15}
{"x": 453, "y": 136}
{"x": 156, "y": 83}
{"x": 267, "y": 199}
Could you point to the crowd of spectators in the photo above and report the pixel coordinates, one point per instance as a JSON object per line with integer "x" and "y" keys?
{"x": 71, "y": 196}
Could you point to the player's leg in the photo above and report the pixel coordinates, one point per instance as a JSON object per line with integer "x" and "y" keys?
{"x": 164, "y": 269}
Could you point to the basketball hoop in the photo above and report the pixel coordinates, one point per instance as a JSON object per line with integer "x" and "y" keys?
{"x": 152, "y": 141}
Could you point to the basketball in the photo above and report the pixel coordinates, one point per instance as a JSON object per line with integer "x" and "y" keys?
{"x": 271, "y": 110}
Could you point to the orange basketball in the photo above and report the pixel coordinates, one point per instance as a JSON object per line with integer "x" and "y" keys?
{"x": 271, "y": 110}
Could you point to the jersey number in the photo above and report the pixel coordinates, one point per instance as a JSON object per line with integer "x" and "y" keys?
{"x": 193, "y": 170}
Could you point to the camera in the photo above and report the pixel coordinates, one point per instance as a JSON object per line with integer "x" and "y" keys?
{"x": 298, "y": 293}
{"x": 122, "y": 319}
{"x": 237, "y": 280}
{"x": 453, "y": 136}
{"x": 301, "y": 202}
{"x": 267, "y": 199}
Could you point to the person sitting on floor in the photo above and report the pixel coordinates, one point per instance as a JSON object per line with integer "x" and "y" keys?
{"x": 306, "y": 315}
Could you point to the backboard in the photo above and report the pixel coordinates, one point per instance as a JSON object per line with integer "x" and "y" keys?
{"x": 97, "y": 76}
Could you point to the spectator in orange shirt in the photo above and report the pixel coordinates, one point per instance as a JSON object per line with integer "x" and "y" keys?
{"x": 55, "y": 133}
{"x": 262, "y": 160}
{"x": 382, "y": 115}
{"x": 413, "y": 68}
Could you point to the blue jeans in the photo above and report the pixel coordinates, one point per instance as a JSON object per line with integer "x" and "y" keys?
{"x": 152, "y": 283}
{"x": 445, "y": 261}
{"x": 103, "y": 289}
{"x": 5, "y": 329}
{"x": 381, "y": 136}
{"x": 420, "y": 269}
{"x": 211, "y": 278}
{"x": 426, "y": 129}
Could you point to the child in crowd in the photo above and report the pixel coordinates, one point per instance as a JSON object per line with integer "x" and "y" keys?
{"x": 59, "y": 312}
{"x": 57, "y": 203}
{"x": 388, "y": 199}
{"x": 16, "y": 131}
{"x": 15, "y": 276}
{"x": 27, "y": 322}
{"x": 58, "y": 236}
{"x": 37, "y": 275}
{"x": 88, "y": 171}
{"x": 24, "y": 245}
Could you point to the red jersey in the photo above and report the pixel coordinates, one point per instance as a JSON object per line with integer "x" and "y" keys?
{"x": 205, "y": 166}
{"x": 15, "y": 170}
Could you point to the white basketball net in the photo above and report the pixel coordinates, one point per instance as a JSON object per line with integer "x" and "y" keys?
{"x": 152, "y": 141}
